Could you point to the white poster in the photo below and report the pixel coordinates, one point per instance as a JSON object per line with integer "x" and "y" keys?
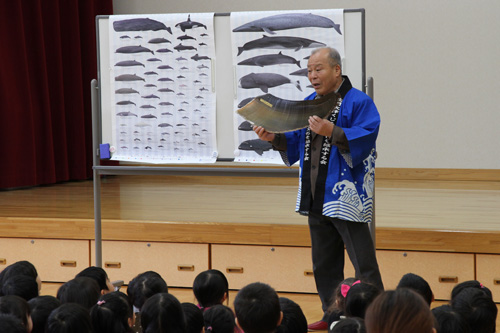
{"x": 164, "y": 96}
{"x": 270, "y": 52}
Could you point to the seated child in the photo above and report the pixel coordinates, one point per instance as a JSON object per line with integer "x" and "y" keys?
{"x": 81, "y": 290}
{"x": 40, "y": 308}
{"x": 162, "y": 313}
{"x": 418, "y": 284}
{"x": 112, "y": 314}
{"x": 210, "y": 288}
{"x": 17, "y": 307}
{"x": 69, "y": 318}
{"x": 400, "y": 310}
{"x": 193, "y": 317}
{"x": 257, "y": 309}
{"x": 219, "y": 319}
{"x": 100, "y": 276}
{"x": 294, "y": 320}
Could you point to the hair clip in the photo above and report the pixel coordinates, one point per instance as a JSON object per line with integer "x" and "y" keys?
{"x": 100, "y": 302}
{"x": 344, "y": 288}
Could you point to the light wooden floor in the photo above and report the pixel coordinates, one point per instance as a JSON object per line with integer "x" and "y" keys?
{"x": 450, "y": 205}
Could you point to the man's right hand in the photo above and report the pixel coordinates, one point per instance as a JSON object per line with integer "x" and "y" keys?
{"x": 263, "y": 134}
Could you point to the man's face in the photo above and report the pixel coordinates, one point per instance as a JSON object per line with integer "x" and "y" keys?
{"x": 324, "y": 78}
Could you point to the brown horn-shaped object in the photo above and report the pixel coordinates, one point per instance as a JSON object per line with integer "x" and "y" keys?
{"x": 278, "y": 115}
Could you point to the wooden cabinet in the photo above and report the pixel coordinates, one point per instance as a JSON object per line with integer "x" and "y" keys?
{"x": 284, "y": 268}
{"x": 488, "y": 273}
{"x": 56, "y": 260}
{"x": 177, "y": 263}
{"x": 441, "y": 270}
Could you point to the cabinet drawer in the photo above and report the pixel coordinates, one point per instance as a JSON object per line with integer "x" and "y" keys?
{"x": 283, "y": 268}
{"x": 441, "y": 270}
{"x": 55, "y": 260}
{"x": 488, "y": 273}
{"x": 177, "y": 263}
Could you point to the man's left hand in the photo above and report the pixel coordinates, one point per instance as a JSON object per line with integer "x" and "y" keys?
{"x": 320, "y": 126}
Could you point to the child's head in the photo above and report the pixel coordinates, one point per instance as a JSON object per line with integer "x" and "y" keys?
{"x": 112, "y": 314}
{"x": 294, "y": 320}
{"x": 417, "y": 284}
{"x": 348, "y": 325}
{"x": 69, "y": 318}
{"x": 40, "y": 308}
{"x": 470, "y": 284}
{"x": 144, "y": 286}
{"x": 340, "y": 294}
{"x": 210, "y": 288}
{"x": 11, "y": 324}
{"x": 449, "y": 320}
{"x": 358, "y": 298}
{"x": 400, "y": 310}
{"x": 100, "y": 276}
{"x": 477, "y": 308}
{"x": 257, "y": 308}
{"x": 17, "y": 307}
{"x": 194, "y": 318}
{"x": 162, "y": 313}
{"x": 81, "y": 290}
{"x": 22, "y": 267}
{"x": 219, "y": 319}
{"x": 24, "y": 286}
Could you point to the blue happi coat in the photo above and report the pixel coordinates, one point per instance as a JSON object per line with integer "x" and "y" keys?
{"x": 345, "y": 182}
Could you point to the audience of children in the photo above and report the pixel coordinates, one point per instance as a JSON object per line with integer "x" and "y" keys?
{"x": 88, "y": 304}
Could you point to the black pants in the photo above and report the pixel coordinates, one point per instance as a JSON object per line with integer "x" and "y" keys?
{"x": 328, "y": 237}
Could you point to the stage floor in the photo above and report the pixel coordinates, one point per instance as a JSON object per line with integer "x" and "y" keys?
{"x": 442, "y": 205}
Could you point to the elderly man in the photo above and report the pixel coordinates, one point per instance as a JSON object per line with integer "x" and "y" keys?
{"x": 337, "y": 169}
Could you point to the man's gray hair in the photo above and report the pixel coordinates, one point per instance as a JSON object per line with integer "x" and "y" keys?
{"x": 333, "y": 56}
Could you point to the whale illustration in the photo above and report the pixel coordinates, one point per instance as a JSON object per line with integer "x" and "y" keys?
{"x": 133, "y": 49}
{"x": 270, "y": 59}
{"x": 129, "y": 63}
{"x": 181, "y": 47}
{"x": 129, "y": 77}
{"x": 126, "y": 91}
{"x": 159, "y": 41}
{"x": 140, "y": 24}
{"x": 257, "y": 145}
{"x": 189, "y": 24}
{"x": 196, "y": 57}
{"x": 300, "y": 72}
{"x": 264, "y": 81}
{"x": 284, "y": 42}
{"x": 270, "y": 24}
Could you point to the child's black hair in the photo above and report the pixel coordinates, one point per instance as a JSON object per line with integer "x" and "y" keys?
{"x": 112, "y": 314}
{"x": 162, "y": 313}
{"x": 210, "y": 287}
{"x": 98, "y": 274}
{"x": 193, "y": 316}
{"x": 294, "y": 320}
{"x": 257, "y": 308}
{"x": 40, "y": 308}
{"x": 81, "y": 290}
{"x": 418, "y": 284}
{"x": 219, "y": 319}
{"x": 69, "y": 318}
{"x": 16, "y": 306}
{"x": 144, "y": 286}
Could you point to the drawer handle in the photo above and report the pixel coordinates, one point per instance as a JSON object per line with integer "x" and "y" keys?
{"x": 3, "y": 261}
{"x": 113, "y": 264}
{"x": 238, "y": 270}
{"x": 68, "y": 263}
{"x": 448, "y": 279}
{"x": 185, "y": 268}
{"x": 496, "y": 282}
{"x": 308, "y": 273}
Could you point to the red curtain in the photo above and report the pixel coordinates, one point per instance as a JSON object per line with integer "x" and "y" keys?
{"x": 47, "y": 59}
